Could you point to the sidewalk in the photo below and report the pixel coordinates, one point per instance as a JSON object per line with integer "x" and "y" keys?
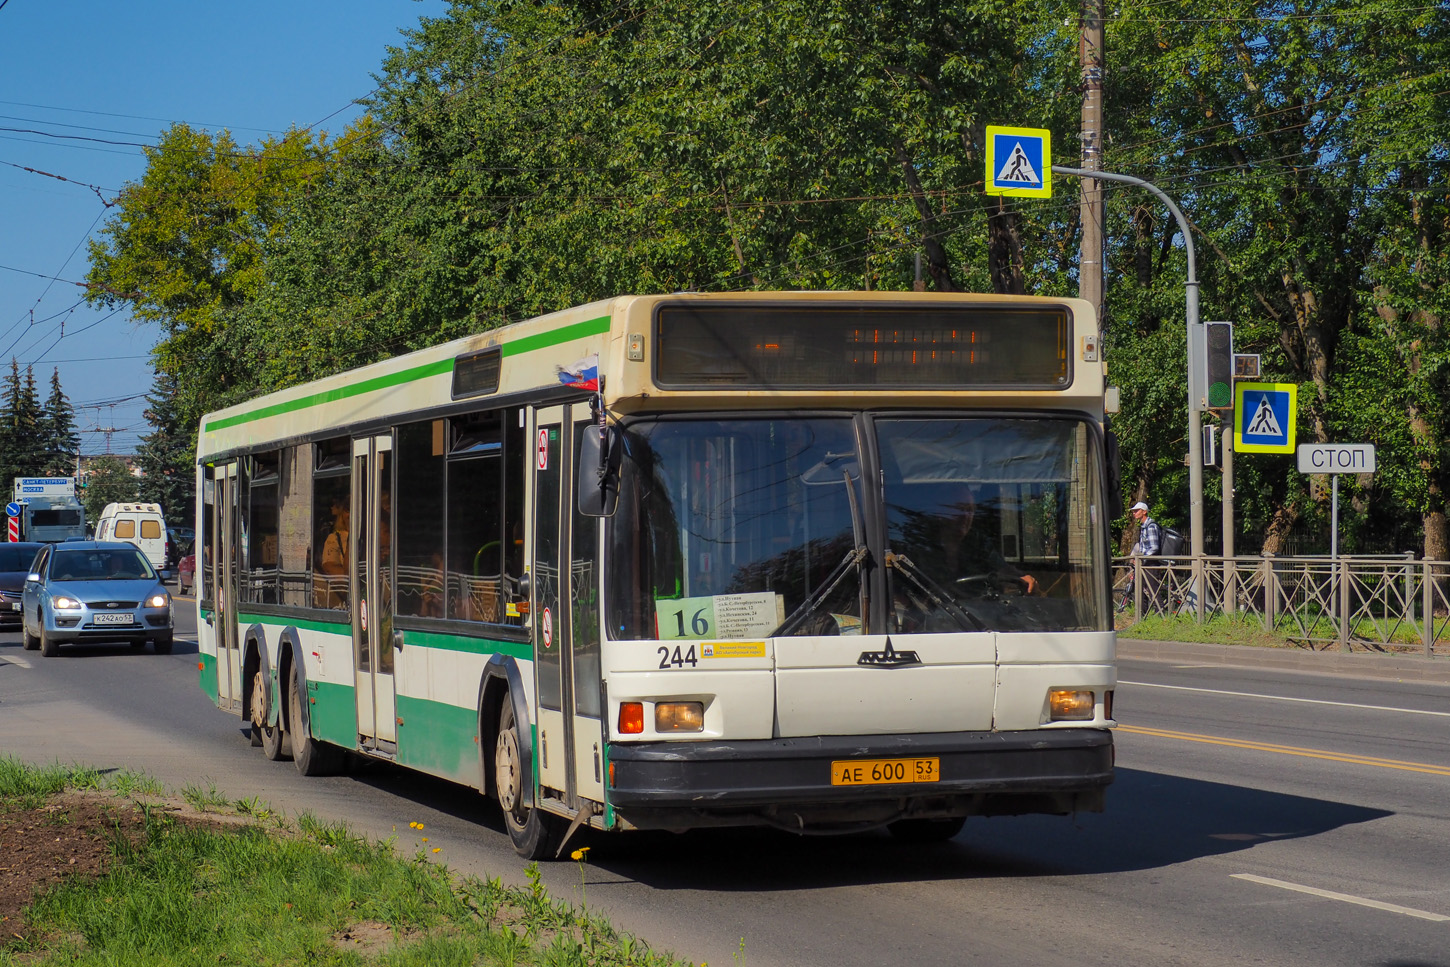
{"x": 1404, "y": 668}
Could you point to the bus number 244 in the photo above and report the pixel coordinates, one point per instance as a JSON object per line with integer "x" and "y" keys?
{"x": 678, "y": 658}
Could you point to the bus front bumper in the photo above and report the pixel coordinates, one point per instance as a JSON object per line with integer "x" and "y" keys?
{"x": 788, "y": 782}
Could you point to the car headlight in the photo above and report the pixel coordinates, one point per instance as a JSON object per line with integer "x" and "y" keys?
{"x": 62, "y": 603}
{"x": 157, "y": 601}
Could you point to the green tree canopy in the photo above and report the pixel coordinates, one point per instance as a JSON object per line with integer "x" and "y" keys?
{"x": 110, "y": 481}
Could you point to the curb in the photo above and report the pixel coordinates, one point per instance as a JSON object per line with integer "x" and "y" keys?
{"x": 1404, "y": 668}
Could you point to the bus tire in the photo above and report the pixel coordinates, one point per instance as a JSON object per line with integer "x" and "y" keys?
{"x": 534, "y": 834}
{"x": 916, "y": 831}
{"x": 312, "y": 758}
{"x": 272, "y": 739}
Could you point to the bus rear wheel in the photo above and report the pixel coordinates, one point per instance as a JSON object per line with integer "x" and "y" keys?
{"x": 312, "y": 758}
{"x": 535, "y": 834}
{"x": 271, "y": 738}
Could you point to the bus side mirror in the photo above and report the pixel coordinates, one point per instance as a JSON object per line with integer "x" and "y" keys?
{"x": 597, "y": 477}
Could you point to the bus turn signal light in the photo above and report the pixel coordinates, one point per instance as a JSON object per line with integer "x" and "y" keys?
{"x": 1070, "y": 705}
{"x": 680, "y": 717}
{"x": 631, "y": 718}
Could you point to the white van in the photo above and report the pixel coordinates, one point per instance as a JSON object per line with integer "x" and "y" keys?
{"x": 139, "y": 524}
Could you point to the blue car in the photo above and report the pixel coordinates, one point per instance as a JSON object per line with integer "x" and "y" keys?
{"x": 95, "y": 591}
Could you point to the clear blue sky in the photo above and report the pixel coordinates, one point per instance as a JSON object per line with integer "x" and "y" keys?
{"x": 76, "y": 74}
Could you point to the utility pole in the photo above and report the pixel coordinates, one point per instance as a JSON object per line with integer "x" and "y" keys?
{"x": 1091, "y": 59}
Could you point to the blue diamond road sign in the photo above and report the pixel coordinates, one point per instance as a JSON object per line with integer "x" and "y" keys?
{"x": 1019, "y": 161}
{"x": 1264, "y": 417}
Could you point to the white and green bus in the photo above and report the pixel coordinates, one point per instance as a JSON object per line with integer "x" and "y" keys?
{"x": 822, "y": 561}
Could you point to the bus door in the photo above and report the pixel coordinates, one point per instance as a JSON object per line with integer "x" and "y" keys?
{"x": 566, "y": 616}
{"x": 371, "y": 591}
{"x": 221, "y": 578}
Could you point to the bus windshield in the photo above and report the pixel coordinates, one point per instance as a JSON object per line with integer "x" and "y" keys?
{"x": 749, "y": 527}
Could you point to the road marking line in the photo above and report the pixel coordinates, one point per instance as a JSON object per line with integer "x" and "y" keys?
{"x": 1286, "y": 698}
{"x": 1347, "y": 898}
{"x": 15, "y": 660}
{"x": 1359, "y": 760}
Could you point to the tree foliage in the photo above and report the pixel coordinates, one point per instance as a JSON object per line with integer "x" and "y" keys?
{"x": 110, "y": 481}
{"x": 167, "y": 455}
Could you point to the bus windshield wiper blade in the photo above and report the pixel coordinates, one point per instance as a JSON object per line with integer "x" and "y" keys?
{"x": 934, "y": 591}
{"x": 853, "y": 559}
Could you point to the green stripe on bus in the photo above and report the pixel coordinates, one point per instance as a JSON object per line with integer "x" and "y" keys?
{"x": 470, "y": 646}
{"x": 421, "y": 639}
{"x": 332, "y": 713}
{"x": 528, "y": 344}
{"x": 590, "y": 327}
{"x": 339, "y": 627}
{"x": 341, "y": 393}
{"x": 206, "y": 676}
{"x": 438, "y": 738}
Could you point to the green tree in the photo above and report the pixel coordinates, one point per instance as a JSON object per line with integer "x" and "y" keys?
{"x": 60, "y": 441}
{"x": 185, "y": 249}
{"x": 110, "y": 482}
{"x": 22, "y": 447}
{"x": 167, "y": 455}
{"x": 1292, "y": 137}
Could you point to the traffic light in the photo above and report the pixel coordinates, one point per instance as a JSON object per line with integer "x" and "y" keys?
{"x": 1219, "y": 360}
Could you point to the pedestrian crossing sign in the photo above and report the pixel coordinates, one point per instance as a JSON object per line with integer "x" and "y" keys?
{"x": 1264, "y": 417}
{"x": 1019, "y": 161}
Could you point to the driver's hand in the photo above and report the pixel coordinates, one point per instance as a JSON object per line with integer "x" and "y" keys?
{"x": 1031, "y": 583}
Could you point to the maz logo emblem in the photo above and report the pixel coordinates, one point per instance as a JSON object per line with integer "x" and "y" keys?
{"x": 888, "y": 657}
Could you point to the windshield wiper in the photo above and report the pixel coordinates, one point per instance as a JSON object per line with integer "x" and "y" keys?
{"x": 934, "y": 592}
{"x": 852, "y": 560}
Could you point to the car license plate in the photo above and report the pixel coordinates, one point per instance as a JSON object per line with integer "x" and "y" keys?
{"x": 114, "y": 618}
{"x": 15, "y": 606}
{"x": 875, "y": 772}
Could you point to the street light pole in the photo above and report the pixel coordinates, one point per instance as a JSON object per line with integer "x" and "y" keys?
{"x": 1195, "y": 423}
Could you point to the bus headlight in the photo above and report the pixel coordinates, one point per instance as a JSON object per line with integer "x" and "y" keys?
{"x": 680, "y": 717}
{"x": 1069, "y": 705}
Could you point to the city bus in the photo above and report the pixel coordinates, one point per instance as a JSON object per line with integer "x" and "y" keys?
{"x": 820, "y": 561}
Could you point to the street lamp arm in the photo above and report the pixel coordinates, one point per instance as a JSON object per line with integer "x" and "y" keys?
{"x": 1195, "y": 438}
{"x": 1158, "y": 193}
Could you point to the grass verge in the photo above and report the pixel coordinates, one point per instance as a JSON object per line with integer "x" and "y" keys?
{"x": 242, "y": 885}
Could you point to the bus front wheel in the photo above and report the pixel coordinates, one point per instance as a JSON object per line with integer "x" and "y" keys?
{"x": 535, "y": 834}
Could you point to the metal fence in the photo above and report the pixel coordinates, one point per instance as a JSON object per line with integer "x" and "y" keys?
{"x": 1386, "y": 603}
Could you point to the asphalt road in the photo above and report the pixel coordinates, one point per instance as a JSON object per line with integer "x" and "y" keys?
{"x": 1259, "y": 816}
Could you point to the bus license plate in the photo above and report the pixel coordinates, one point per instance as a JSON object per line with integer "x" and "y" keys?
{"x": 114, "y": 618}
{"x": 873, "y": 772}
